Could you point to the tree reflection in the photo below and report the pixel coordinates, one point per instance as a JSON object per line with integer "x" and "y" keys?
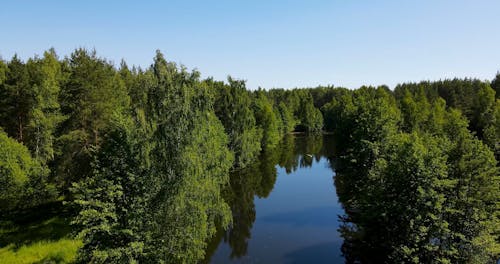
{"x": 258, "y": 179}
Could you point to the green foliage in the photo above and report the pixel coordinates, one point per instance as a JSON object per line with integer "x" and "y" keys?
{"x": 288, "y": 121}
{"x": 191, "y": 216}
{"x": 364, "y": 115}
{"x": 412, "y": 171}
{"x": 16, "y": 167}
{"x": 495, "y": 84}
{"x": 266, "y": 120}
{"x": 311, "y": 119}
{"x": 233, "y": 108}
{"x": 474, "y": 98}
{"x": 16, "y": 99}
{"x": 492, "y": 131}
{"x": 110, "y": 202}
{"x": 92, "y": 94}
{"x": 475, "y": 199}
{"x": 3, "y": 72}
{"x": 22, "y": 178}
{"x": 429, "y": 195}
{"x": 146, "y": 155}
{"x": 155, "y": 189}
{"x": 45, "y": 116}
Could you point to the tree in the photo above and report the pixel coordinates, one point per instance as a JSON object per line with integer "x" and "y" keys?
{"x": 17, "y": 100}
{"x": 22, "y": 178}
{"x": 155, "y": 189}
{"x": 474, "y": 220}
{"x": 495, "y": 84}
{"x": 266, "y": 120}
{"x": 233, "y": 108}
{"x": 196, "y": 208}
{"x": 16, "y": 167}
{"x": 311, "y": 119}
{"x": 492, "y": 131}
{"x": 45, "y": 115}
{"x": 91, "y": 95}
{"x": 111, "y": 202}
{"x": 288, "y": 120}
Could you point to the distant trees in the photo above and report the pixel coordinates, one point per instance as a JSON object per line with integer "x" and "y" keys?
{"x": 299, "y": 104}
{"x": 474, "y": 98}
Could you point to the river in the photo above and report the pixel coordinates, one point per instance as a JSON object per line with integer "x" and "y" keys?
{"x": 285, "y": 208}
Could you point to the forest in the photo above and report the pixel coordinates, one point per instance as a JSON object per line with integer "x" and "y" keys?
{"x": 108, "y": 163}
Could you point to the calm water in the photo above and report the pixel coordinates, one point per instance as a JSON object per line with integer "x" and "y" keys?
{"x": 285, "y": 209}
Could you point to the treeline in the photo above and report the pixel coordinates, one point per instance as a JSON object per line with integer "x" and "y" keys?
{"x": 416, "y": 172}
{"x": 140, "y": 154}
{"x": 143, "y": 154}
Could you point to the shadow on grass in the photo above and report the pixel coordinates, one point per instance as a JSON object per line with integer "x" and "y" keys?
{"x": 48, "y": 222}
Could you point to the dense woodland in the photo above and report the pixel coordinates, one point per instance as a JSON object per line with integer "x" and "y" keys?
{"x": 141, "y": 157}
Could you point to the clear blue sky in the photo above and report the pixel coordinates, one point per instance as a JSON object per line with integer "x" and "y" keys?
{"x": 282, "y": 43}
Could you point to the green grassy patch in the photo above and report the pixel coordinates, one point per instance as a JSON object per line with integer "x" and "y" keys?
{"x": 38, "y": 235}
{"x": 60, "y": 251}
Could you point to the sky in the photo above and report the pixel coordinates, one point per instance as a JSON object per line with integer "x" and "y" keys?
{"x": 271, "y": 43}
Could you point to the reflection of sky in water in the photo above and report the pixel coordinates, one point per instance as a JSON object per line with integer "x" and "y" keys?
{"x": 296, "y": 223}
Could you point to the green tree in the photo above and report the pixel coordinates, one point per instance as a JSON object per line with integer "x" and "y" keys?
{"x": 22, "y": 178}
{"x": 155, "y": 190}
{"x": 495, "y": 84}
{"x": 111, "y": 202}
{"x": 16, "y": 167}
{"x": 45, "y": 115}
{"x": 192, "y": 215}
{"x": 16, "y": 99}
{"x": 311, "y": 119}
{"x": 266, "y": 120}
{"x": 91, "y": 95}
{"x": 233, "y": 108}
{"x": 288, "y": 120}
{"x": 475, "y": 220}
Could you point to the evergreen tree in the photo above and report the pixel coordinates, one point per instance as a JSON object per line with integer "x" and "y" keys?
{"x": 92, "y": 94}
{"x": 17, "y": 100}
{"x": 495, "y": 84}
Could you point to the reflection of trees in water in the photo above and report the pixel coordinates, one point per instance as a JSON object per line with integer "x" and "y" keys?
{"x": 302, "y": 150}
{"x": 258, "y": 179}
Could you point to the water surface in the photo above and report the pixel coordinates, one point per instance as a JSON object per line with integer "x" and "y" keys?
{"x": 285, "y": 209}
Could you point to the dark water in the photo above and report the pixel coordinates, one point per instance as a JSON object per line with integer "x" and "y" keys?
{"x": 285, "y": 209}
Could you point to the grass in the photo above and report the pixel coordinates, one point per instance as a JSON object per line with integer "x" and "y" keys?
{"x": 60, "y": 251}
{"x": 39, "y": 235}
